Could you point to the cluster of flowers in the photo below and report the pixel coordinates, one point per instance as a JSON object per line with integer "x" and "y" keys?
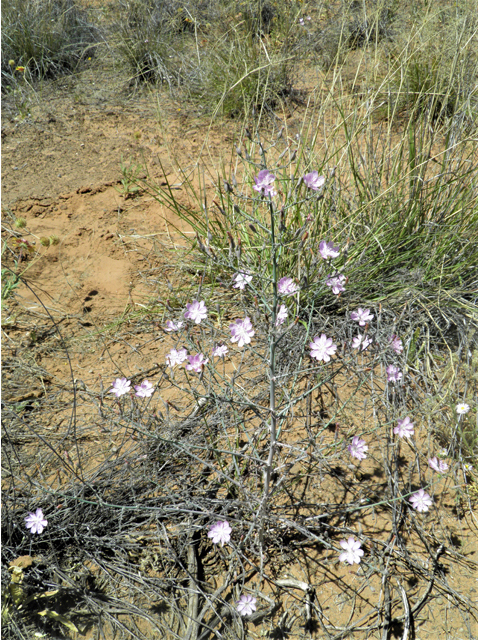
{"x": 241, "y": 332}
{"x": 264, "y": 181}
{"x": 121, "y": 386}
{"x": 302, "y": 20}
{"x": 420, "y": 500}
{"x": 322, "y": 347}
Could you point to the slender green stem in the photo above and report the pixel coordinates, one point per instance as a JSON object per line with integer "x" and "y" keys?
{"x": 273, "y": 416}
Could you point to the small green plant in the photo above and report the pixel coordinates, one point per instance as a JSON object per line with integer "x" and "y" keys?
{"x": 10, "y": 282}
{"x": 21, "y": 254}
{"x": 130, "y": 178}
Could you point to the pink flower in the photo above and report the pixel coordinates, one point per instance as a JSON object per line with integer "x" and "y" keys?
{"x": 362, "y": 316}
{"x": 358, "y": 448}
{"x": 404, "y": 428}
{"x": 462, "y": 408}
{"x": 322, "y": 348}
{"x": 314, "y": 181}
{"x": 353, "y": 552}
{"x": 336, "y": 282}
{"x": 241, "y": 280}
{"x": 393, "y": 373}
{"x": 173, "y": 326}
{"x": 144, "y": 390}
{"x": 196, "y": 311}
{"x": 242, "y": 331}
{"x": 36, "y": 522}
{"x": 220, "y": 351}
{"x": 176, "y": 357}
{"x": 287, "y": 287}
{"x": 263, "y": 183}
{"x": 121, "y": 386}
{"x": 396, "y": 344}
{"x": 246, "y": 605}
{"x": 282, "y": 315}
{"x": 361, "y": 342}
{"x": 220, "y": 532}
{"x": 196, "y": 363}
{"x": 420, "y": 500}
{"x": 327, "y": 250}
{"x": 438, "y": 465}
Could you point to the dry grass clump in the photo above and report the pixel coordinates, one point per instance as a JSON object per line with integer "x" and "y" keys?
{"x": 46, "y": 39}
{"x": 433, "y": 64}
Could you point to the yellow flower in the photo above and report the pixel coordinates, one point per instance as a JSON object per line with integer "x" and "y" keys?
{"x": 20, "y": 69}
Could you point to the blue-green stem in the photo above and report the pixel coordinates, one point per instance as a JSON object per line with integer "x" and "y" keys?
{"x": 273, "y": 416}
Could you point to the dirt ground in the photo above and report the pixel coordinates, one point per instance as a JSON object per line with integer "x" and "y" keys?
{"x": 61, "y": 172}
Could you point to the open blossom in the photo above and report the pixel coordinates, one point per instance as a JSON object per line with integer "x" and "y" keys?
{"x": 35, "y": 522}
{"x": 263, "y": 183}
{"x": 220, "y": 351}
{"x": 287, "y": 287}
{"x": 396, "y": 344}
{"x": 462, "y": 408}
{"x": 282, "y": 315}
{"x": 302, "y": 22}
{"x": 393, "y": 373}
{"x": 174, "y": 326}
{"x": 242, "y": 331}
{"x": 175, "y": 357}
{"x": 220, "y": 532}
{"x": 120, "y": 387}
{"x": 420, "y": 500}
{"x": 322, "y": 348}
{"x": 246, "y": 605}
{"x": 438, "y": 465}
{"x": 336, "y": 282}
{"x": 404, "y": 428}
{"x": 327, "y": 250}
{"x": 196, "y": 362}
{"x": 362, "y": 316}
{"x": 144, "y": 390}
{"x": 353, "y": 552}
{"x": 358, "y": 448}
{"x": 196, "y": 311}
{"x": 314, "y": 181}
{"x": 361, "y": 342}
{"x": 241, "y": 280}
